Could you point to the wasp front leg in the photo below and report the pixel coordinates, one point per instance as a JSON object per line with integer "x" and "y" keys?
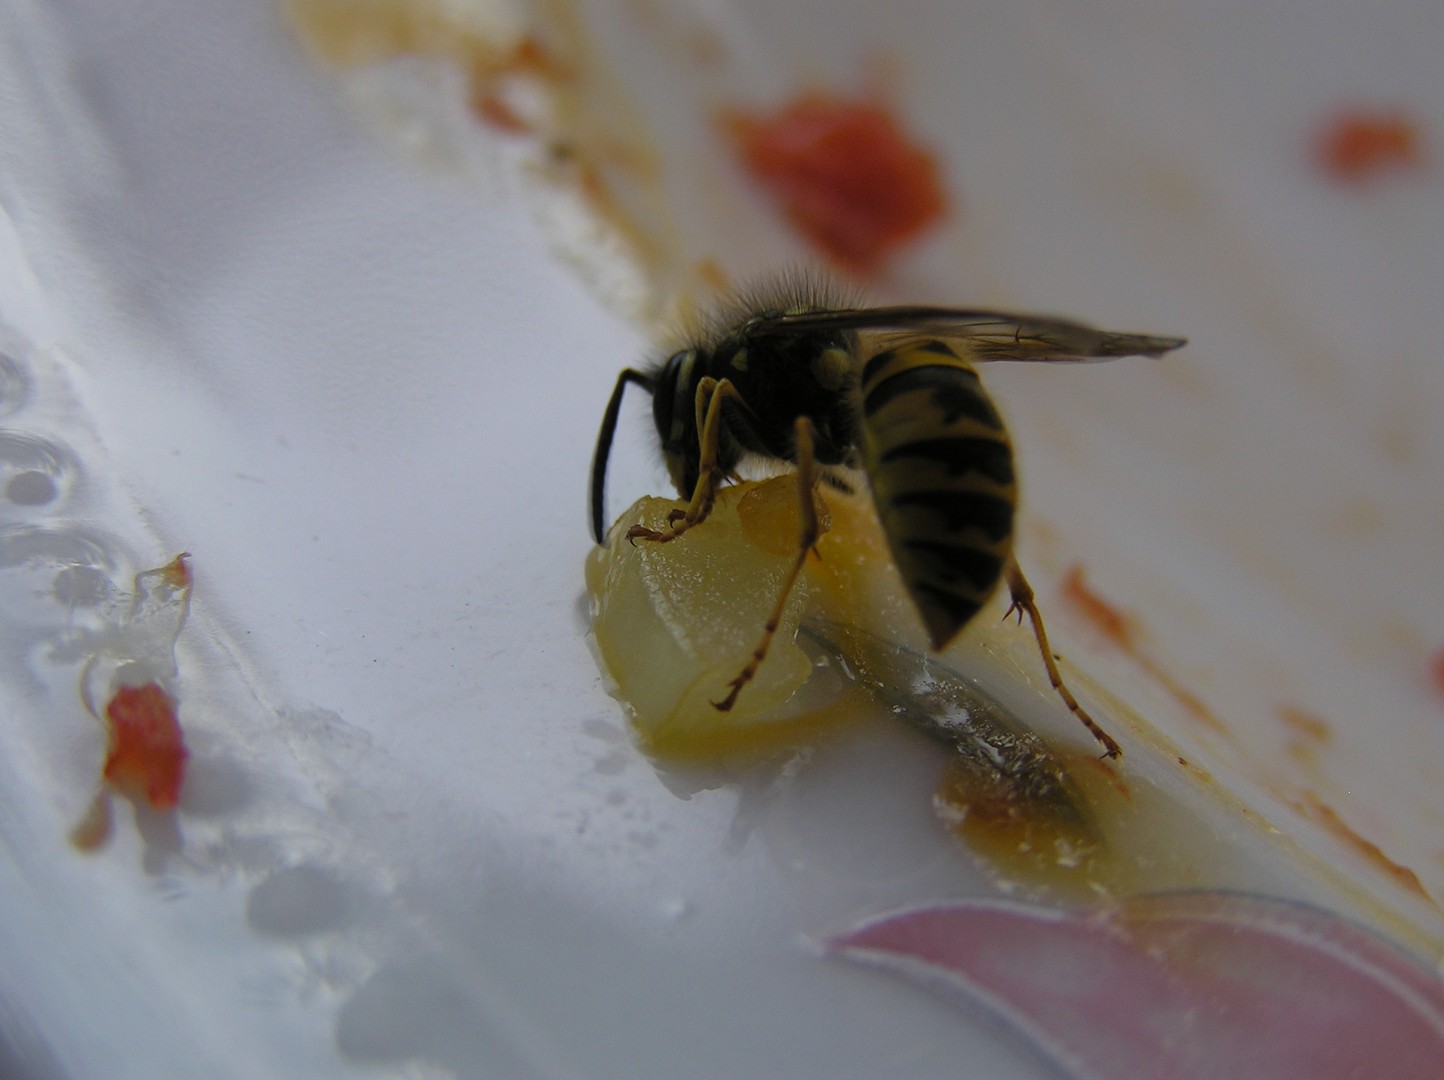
{"x": 1022, "y": 595}
{"x": 711, "y": 393}
{"x": 808, "y": 477}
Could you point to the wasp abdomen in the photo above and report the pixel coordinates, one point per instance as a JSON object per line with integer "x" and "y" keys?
{"x": 941, "y": 469}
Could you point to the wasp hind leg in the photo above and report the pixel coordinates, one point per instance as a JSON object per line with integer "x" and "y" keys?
{"x": 710, "y": 395}
{"x": 808, "y": 477}
{"x": 1022, "y": 594}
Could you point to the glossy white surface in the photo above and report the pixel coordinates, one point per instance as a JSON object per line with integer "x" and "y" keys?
{"x": 362, "y": 392}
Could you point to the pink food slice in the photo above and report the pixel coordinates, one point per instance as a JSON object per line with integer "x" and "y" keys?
{"x": 1192, "y": 984}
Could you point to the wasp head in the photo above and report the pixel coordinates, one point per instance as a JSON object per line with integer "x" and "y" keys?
{"x": 673, "y": 386}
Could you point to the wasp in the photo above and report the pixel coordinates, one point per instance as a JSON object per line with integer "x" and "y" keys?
{"x": 887, "y": 395}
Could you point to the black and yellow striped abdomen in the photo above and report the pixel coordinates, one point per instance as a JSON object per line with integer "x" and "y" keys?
{"x": 941, "y": 468}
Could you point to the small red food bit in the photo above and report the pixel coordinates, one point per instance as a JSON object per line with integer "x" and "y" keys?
{"x": 1436, "y": 668}
{"x": 147, "y": 753}
{"x": 1356, "y": 145}
{"x": 846, "y": 175}
{"x": 493, "y": 108}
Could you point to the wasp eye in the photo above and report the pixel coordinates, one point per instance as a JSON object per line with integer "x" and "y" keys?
{"x": 672, "y": 395}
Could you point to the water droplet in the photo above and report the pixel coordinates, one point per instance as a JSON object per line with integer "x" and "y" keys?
{"x": 50, "y": 574}
{"x": 81, "y": 586}
{"x": 35, "y": 471}
{"x": 30, "y": 489}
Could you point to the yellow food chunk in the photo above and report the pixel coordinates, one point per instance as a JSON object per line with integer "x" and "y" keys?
{"x": 675, "y": 622}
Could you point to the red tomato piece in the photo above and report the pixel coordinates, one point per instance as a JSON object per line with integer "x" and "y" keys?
{"x": 845, "y": 174}
{"x": 147, "y": 753}
{"x": 1356, "y": 145}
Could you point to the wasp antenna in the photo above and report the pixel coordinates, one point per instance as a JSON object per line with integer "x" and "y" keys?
{"x": 604, "y": 445}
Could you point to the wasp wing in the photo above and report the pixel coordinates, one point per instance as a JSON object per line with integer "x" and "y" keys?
{"x": 979, "y": 335}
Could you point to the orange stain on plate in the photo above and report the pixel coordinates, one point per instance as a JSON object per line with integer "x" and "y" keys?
{"x": 1123, "y": 631}
{"x": 1321, "y": 813}
{"x": 494, "y": 77}
{"x": 1306, "y": 732}
{"x": 846, "y": 175}
{"x": 147, "y": 753}
{"x": 1108, "y": 620}
{"x": 348, "y": 34}
{"x": 1358, "y": 145}
{"x": 1436, "y": 671}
